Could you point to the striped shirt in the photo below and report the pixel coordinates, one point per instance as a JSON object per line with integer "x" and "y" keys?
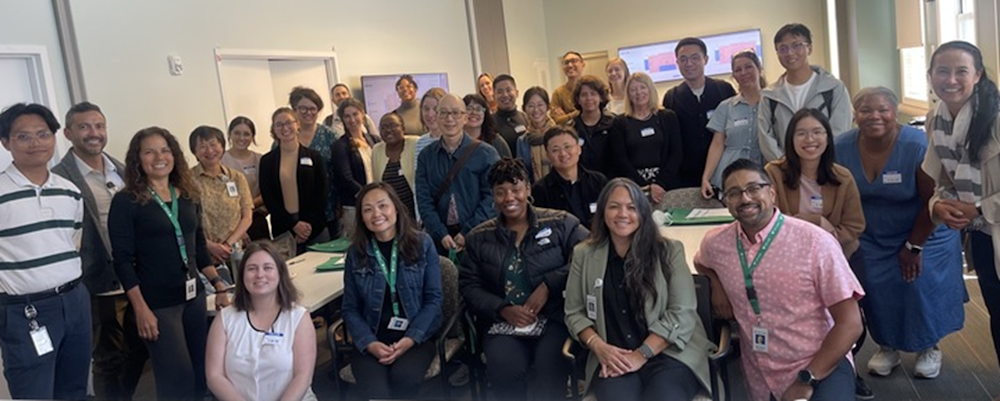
{"x": 40, "y": 231}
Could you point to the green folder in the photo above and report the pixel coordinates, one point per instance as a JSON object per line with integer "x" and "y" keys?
{"x": 336, "y": 246}
{"x": 679, "y": 217}
{"x": 335, "y": 263}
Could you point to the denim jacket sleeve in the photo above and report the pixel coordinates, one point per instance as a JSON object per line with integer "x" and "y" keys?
{"x": 425, "y": 201}
{"x": 484, "y": 207}
{"x": 353, "y": 306}
{"x": 425, "y": 323}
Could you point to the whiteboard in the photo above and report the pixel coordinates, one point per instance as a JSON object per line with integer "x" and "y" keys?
{"x": 659, "y": 61}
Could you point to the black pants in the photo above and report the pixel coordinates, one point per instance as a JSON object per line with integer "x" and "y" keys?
{"x": 510, "y": 359}
{"x": 400, "y": 380}
{"x": 661, "y": 378}
{"x": 119, "y": 354}
{"x": 989, "y": 284}
{"x": 178, "y": 355}
{"x": 838, "y": 386}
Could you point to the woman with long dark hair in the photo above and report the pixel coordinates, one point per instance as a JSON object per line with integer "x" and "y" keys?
{"x": 352, "y": 158}
{"x": 630, "y": 299}
{"x": 480, "y": 125}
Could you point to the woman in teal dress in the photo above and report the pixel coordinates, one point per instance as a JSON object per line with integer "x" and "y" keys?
{"x": 912, "y": 271}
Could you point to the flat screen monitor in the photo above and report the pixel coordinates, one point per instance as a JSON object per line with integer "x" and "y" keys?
{"x": 658, "y": 59}
{"x": 380, "y": 90}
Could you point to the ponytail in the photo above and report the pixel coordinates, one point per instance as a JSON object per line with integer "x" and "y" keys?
{"x": 984, "y": 116}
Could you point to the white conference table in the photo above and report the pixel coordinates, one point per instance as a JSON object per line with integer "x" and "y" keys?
{"x": 690, "y": 236}
{"x": 317, "y": 288}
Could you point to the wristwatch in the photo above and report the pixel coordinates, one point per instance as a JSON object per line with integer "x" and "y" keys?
{"x": 915, "y": 249}
{"x": 646, "y": 351}
{"x": 807, "y": 377}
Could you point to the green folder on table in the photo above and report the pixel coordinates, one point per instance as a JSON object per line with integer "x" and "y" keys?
{"x": 335, "y": 263}
{"x": 336, "y": 246}
{"x": 682, "y": 217}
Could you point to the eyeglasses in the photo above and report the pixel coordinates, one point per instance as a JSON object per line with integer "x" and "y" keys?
{"x": 753, "y": 190}
{"x": 389, "y": 126}
{"x": 26, "y": 138}
{"x": 476, "y": 109}
{"x": 572, "y": 61}
{"x": 794, "y": 47}
{"x": 287, "y": 124}
{"x": 307, "y": 109}
{"x": 814, "y": 132}
{"x": 444, "y": 114}
{"x": 688, "y": 59}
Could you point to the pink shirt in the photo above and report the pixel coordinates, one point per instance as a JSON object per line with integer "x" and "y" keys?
{"x": 802, "y": 274}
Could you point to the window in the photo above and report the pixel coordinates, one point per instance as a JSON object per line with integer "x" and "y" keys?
{"x": 949, "y": 20}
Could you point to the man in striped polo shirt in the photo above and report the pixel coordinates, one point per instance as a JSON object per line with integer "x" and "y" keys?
{"x": 45, "y": 335}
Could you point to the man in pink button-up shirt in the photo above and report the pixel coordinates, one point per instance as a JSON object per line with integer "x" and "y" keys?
{"x": 797, "y": 339}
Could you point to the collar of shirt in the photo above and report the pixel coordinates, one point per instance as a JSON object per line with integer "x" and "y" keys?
{"x": 21, "y": 181}
{"x": 466, "y": 140}
{"x": 199, "y": 171}
{"x": 110, "y": 170}
{"x": 763, "y": 231}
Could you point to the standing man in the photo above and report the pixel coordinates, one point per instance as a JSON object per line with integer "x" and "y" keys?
{"x": 563, "y": 106}
{"x": 789, "y": 287}
{"x": 694, "y": 101}
{"x": 453, "y": 190}
{"x": 118, "y": 352}
{"x": 45, "y": 335}
{"x": 802, "y": 85}
{"x": 510, "y": 122}
{"x": 338, "y": 94}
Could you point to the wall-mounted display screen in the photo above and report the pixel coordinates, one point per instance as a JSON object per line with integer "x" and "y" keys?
{"x": 380, "y": 90}
{"x": 659, "y": 61}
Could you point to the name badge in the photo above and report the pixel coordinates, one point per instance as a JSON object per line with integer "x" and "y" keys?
{"x": 816, "y": 202}
{"x": 274, "y": 338}
{"x": 190, "y": 289}
{"x": 398, "y": 323}
{"x": 547, "y": 231}
{"x": 519, "y": 129}
{"x": 400, "y": 172}
{"x": 741, "y": 122}
{"x": 592, "y": 307}
{"x": 231, "y": 188}
{"x": 709, "y": 113}
{"x": 305, "y": 161}
{"x": 593, "y": 207}
{"x": 647, "y": 132}
{"x": 892, "y": 177}
{"x": 581, "y": 141}
{"x": 249, "y": 170}
{"x": 760, "y": 339}
{"x": 43, "y": 343}
{"x": 544, "y": 241}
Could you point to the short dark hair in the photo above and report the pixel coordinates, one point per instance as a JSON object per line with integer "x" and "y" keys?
{"x": 556, "y": 131}
{"x": 287, "y": 295}
{"x": 245, "y": 121}
{"x": 594, "y": 83}
{"x": 507, "y": 170}
{"x": 300, "y": 92}
{"x": 340, "y": 84}
{"x": 794, "y": 28}
{"x": 488, "y": 132}
{"x": 205, "y": 133}
{"x": 744, "y": 165}
{"x": 408, "y": 78}
{"x": 12, "y": 113}
{"x": 691, "y": 41}
{"x": 792, "y": 167}
{"x": 573, "y": 53}
{"x": 81, "y": 108}
{"x": 504, "y": 77}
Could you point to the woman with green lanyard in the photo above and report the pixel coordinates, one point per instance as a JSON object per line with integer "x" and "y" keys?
{"x": 392, "y": 296}
{"x": 158, "y": 247}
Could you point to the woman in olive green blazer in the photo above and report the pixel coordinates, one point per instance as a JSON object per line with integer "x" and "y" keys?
{"x": 660, "y": 353}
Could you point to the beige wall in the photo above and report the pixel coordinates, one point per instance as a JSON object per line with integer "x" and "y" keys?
{"x": 527, "y": 42}
{"x": 32, "y": 22}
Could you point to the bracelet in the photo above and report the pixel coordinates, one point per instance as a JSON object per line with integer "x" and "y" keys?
{"x": 215, "y": 280}
{"x": 590, "y": 340}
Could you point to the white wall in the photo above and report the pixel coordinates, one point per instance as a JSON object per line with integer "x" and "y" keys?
{"x": 527, "y": 43}
{"x": 124, "y": 46}
{"x": 32, "y": 22}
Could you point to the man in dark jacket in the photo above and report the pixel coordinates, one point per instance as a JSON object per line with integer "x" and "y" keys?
{"x": 568, "y": 186}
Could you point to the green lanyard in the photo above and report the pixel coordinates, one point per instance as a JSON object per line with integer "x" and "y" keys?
{"x": 748, "y": 270}
{"x": 172, "y": 215}
{"x": 390, "y": 273}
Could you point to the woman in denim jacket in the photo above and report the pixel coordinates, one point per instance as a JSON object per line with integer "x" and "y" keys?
{"x": 390, "y": 312}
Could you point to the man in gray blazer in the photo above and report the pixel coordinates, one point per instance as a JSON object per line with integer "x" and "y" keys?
{"x": 118, "y": 352}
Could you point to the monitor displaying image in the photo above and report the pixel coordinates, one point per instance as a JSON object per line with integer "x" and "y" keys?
{"x": 380, "y": 90}
{"x": 659, "y": 61}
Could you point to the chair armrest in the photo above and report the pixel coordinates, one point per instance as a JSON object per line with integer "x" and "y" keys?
{"x": 723, "y": 343}
{"x": 567, "y": 350}
{"x": 446, "y": 328}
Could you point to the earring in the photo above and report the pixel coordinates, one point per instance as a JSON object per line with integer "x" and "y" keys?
{"x": 531, "y": 200}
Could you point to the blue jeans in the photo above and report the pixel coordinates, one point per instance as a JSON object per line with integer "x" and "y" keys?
{"x": 838, "y": 386}
{"x": 62, "y": 373}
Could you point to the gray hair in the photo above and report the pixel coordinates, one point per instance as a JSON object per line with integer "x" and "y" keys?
{"x": 882, "y": 91}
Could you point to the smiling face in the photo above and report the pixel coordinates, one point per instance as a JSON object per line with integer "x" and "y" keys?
{"x": 691, "y": 61}
{"x": 31, "y": 144}
{"x": 572, "y": 66}
{"x": 506, "y": 95}
{"x": 156, "y": 158}
{"x": 620, "y": 214}
{"x": 563, "y": 151}
{"x": 379, "y": 214}
{"x": 209, "y": 152}
{"x": 616, "y": 73}
{"x": 486, "y": 87}
{"x": 88, "y": 132}
{"x": 260, "y": 274}
{"x": 475, "y": 116}
{"x": 746, "y": 73}
{"x": 391, "y": 129}
{"x": 353, "y": 119}
{"x": 285, "y": 127}
{"x": 589, "y": 99}
{"x": 749, "y": 198}
{"x": 241, "y": 137}
{"x": 406, "y": 91}
{"x": 306, "y": 111}
{"x": 638, "y": 94}
{"x": 954, "y": 77}
{"x": 428, "y": 109}
{"x": 793, "y": 52}
{"x": 339, "y": 94}
{"x": 451, "y": 116}
{"x": 511, "y": 199}
{"x": 876, "y": 117}
{"x": 537, "y": 110}
{"x": 809, "y": 139}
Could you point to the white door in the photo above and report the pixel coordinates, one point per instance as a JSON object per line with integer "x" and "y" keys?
{"x": 25, "y": 77}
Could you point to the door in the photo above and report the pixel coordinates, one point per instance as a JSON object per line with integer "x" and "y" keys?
{"x": 25, "y": 77}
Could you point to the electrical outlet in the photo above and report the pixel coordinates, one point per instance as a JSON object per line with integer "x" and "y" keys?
{"x": 175, "y": 64}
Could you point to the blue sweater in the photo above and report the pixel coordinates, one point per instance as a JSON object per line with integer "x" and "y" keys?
{"x": 471, "y": 187}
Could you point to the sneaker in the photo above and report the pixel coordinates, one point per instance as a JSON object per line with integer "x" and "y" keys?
{"x": 883, "y": 362}
{"x": 861, "y": 389}
{"x": 928, "y": 364}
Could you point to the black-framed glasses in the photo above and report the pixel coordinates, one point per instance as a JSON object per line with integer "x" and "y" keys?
{"x": 752, "y": 190}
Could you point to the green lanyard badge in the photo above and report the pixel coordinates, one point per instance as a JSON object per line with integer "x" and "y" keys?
{"x": 172, "y": 215}
{"x": 390, "y": 273}
{"x": 748, "y": 270}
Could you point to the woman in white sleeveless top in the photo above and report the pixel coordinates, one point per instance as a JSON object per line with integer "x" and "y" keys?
{"x": 263, "y": 346}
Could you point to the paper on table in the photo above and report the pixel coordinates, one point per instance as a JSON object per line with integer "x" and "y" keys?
{"x": 706, "y": 213}
{"x": 526, "y": 329}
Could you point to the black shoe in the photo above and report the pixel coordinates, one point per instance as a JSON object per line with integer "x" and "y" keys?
{"x": 861, "y": 389}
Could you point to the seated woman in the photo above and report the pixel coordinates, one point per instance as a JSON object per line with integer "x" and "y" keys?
{"x": 484, "y": 85}
{"x": 352, "y": 158}
{"x": 512, "y": 277}
{"x": 391, "y": 313}
{"x": 243, "y": 133}
{"x": 593, "y": 123}
{"x": 479, "y": 124}
{"x": 263, "y": 346}
{"x": 226, "y": 203}
{"x": 569, "y": 186}
{"x": 294, "y": 185}
{"x": 655, "y": 348}
{"x": 394, "y": 160}
{"x": 646, "y": 140}
{"x": 530, "y": 146}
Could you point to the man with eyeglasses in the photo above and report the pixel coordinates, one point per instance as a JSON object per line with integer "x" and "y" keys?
{"x": 510, "y": 121}
{"x": 45, "y": 337}
{"x": 563, "y": 107}
{"x": 118, "y": 352}
{"x": 453, "y": 192}
{"x": 694, "y": 101}
{"x": 568, "y": 186}
{"x": 788, "y": 285}
{"x": 801, "y": 86}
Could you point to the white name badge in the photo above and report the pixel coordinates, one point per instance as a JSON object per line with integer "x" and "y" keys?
{"x": 190, "y": 289}
{"x": 274, "y": 338}
{"x": 741, "y": 122}
{"x": 250, "y": 170}
{"x": 581, "y": 141}
{"x": 647, "y": 132}
{"x": 816, "y": 202}
{"x": 231, "y": 188}
{"x": 305, "y": 161}
{"x": 593, "y": 207}
{"x": 892, "y": 177}
{"x": 544, "y": 241}
{"x": 519, "y": 129}
{"x": 760, "y": 339}
{"x": 709, "y": 113}
{"x": 43, "y": 343}
{"x": 592, "y": 307}
{"x": 398, "y": 323}
{"x": 545, "y": 232}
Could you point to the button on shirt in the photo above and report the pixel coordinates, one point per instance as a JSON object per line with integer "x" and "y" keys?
{"x": 802, "y": 274}
{"x": 104, "y": 185}
{"x": 220, "y": 210}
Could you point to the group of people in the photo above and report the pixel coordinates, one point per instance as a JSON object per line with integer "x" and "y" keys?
{"x": 546, "y": 210}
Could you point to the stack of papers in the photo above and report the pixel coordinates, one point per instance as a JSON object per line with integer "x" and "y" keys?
{"x": 334, "y": 264}
{"x": 336, "y": 246}
{"x": 678, "y": 216}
